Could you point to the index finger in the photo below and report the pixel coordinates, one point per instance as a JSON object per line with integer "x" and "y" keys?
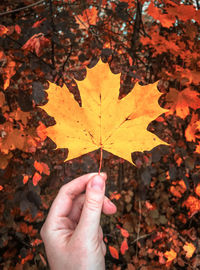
{"x": 62, "y": 204}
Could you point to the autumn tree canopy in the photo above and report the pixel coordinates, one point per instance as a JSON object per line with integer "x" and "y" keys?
{"x": 146, "y": 42}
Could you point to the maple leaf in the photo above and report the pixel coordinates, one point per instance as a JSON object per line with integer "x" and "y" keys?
{"x": 167, "y": 20}
{"x": 170, "y": 255}
{"x": 192, "y": 129}
{"x": 89, "y": 17}
{"x": 189, "y": 249}
{"x": 103, "y": 121}
{"x": 180, "y": 102}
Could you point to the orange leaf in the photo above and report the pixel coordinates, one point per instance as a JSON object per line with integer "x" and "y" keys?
{"x": 25, "y": 179}
{"x": 38, "y": 166}
{"x": 192, "y": 129}
{"x": 170, "y": 255}
{"x": 180, "y": 102}
{"x": 193, "y": 204}
{"x": 167, "y": 20}
{"x": 3, "y": 30}
{"x": 88, "y": 18}
{"x": 103, "y": 121}
{"x": 115, "y": 196}
{"x": 149, "y": 206}
{"x": 198, "y": 149}
{"x": 114, "y": 253}
{"x": 36, "y": 178}
{"x": 1, "y": 187}
{"x": 41, "y": 131}
{"x": 8, "y": 72}
{"x": 178, "y": 189}
{"x": 124, "y": 247}
{"x": 41, "y": 167}
{"x": 197, "y": 190}
{"x": 189, "y": 249}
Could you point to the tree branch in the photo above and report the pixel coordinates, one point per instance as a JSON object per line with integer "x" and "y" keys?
{"x": 39, "y": 59}
{"x": 22, "y": 8}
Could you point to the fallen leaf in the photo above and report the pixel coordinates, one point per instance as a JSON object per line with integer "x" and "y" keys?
{"x": 3, "y": 30}
{"x": 25, "y": 179}
{"x": 124, "y": 247}
{"x": 103, "y": 121}
{"x": 42, "y": 167}
{"x": 36, "y": 178}
{"x": 192, "y": 129}
{"x": 193, "y": 204}
{"x": 170, "y": 255}
{"x": 178, "y": 189}
{"x": 189, "y": 249}
{"x": 8, "y": 72}
{"x": 114, "y": 253}
{"x": 197, "y": 190}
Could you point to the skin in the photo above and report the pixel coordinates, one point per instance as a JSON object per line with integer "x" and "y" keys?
{"x": 72, "y": 234}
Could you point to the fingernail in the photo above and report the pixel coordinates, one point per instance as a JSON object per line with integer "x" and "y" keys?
{"x": 97, "y": 183}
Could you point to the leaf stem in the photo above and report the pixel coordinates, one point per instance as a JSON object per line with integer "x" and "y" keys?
{"x": 100, "y": 162}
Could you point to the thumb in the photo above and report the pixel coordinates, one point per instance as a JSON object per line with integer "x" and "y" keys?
{"x": 91, "y": 213}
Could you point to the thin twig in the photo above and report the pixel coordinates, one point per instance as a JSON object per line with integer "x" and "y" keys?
{"x": 53, "y": 29}
{"x": 141, "y": 237}
{"x": 22, "y": 8}
{"x": 101, "y": 156}
{"x": 138, "y": 229}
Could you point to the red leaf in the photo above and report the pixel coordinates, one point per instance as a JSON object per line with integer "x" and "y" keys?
{"x": 17, "y": 29}
{"x": 38, "y": 23}
{"x": 36, "y": 43}
{"x": 124, "y": 247}
{"x": 1, "y": 187}
{"x": 114, "y": 253}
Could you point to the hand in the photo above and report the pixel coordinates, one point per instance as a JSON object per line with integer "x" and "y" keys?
{"x": 72, "y": 234}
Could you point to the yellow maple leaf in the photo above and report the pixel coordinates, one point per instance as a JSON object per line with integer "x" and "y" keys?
{"x": 189, "y": 249}
{"x": 103, "y": 120}
{"x": 170, "y": 255}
